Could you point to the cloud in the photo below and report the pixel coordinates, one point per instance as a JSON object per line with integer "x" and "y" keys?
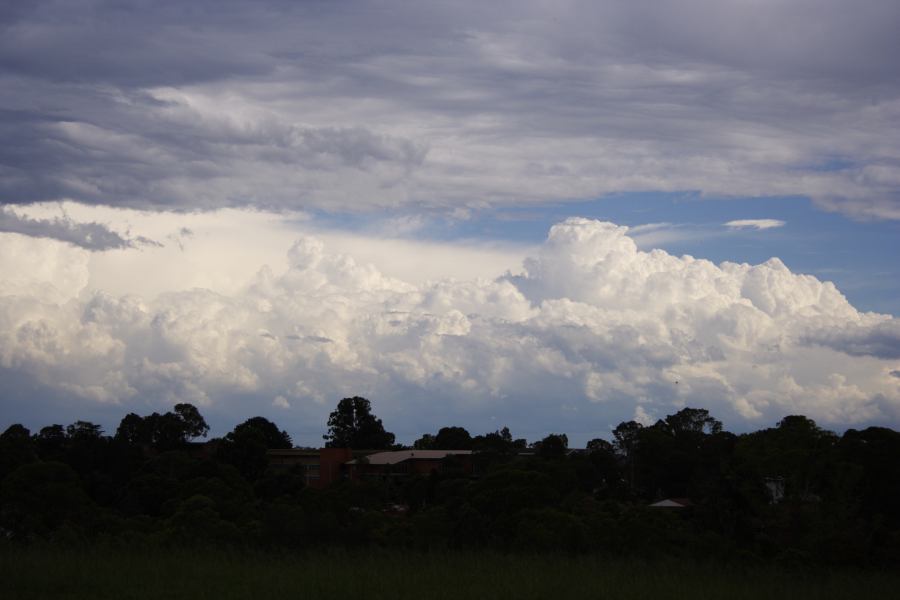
{"x": 880, "y": 338}
{"x": 271, "y": 105}
{"x": 90, "y": 236}
{"x": 755, "y": 224}
{"x": 591, "y": 331}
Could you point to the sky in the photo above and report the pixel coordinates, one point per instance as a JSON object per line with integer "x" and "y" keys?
{"x": 552, "y": 216}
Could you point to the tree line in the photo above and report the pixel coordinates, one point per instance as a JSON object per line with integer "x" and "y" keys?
{"x": 793, "y": 493}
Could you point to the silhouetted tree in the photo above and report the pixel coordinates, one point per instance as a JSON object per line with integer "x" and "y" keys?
{"x": 51, "y": 442}
{"x": 352, "y": 425}
{"x": 133, "y": 430}
{"x": 625, "y": 437}
{"x": 499, "y": 442}
{"x": 692, "y": 421}
{"x": 83, "y": 431}
{"x": 16, "y": 449}
{"x": 453, "y": 438}
{"x": 245, "y": 447}
{"x": 166, "y": 431}
{"x": 604, "y": 465}
{"x": 193, "y": 424}
{"x": 426, "y": 442}
{"x": 554, "y": 445}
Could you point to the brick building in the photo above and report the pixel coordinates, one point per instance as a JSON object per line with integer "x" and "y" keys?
{"x": 324, "y": 466}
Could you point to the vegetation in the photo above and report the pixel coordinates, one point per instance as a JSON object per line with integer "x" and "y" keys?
{"x": 99, "y": 574}
{"x": 792, "y": 495}
{"x": 352, "y": 425}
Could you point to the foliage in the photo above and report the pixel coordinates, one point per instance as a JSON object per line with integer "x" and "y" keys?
{"x": 352, "y": 425}
{"x": 166, "y": 431}
{"x": 792, "y": 494}
{"x": 245, "y": 447}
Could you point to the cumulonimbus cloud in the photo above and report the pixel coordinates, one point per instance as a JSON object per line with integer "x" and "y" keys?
{"x": 592, "y": 331}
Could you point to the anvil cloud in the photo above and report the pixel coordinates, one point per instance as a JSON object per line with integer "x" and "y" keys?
{"x": 590, "y": 330}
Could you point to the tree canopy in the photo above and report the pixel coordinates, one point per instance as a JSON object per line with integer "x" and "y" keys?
{"x": 352, "y": 425}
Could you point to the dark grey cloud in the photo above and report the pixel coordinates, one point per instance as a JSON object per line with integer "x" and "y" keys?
{"x": 90, "y": 236}
{"x": 353, "y": 105}
{"x": 880, "y": 341}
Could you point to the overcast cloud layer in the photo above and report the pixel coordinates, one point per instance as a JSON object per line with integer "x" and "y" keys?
{"x": 456, "y": 105}
{"x": 590, "y": 331}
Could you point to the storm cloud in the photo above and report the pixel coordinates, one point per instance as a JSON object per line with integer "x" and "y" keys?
{"x": 589, "y": 332}
{"x": 353, "y": 106}
{"x": 90, "y": 236}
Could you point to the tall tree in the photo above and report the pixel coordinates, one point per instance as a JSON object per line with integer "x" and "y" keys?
{"x": 352, "y": 425}
{"x": 16, "y": 449}
{"x": 626, "y": 436}
{"x": 426, "y": 442}
{"x": 692, "y": 421}
{"x": 453, "y": 438}
{"x": 245, "y": 447}
{"x": 163, "y": 431}
{"x": 554, "y": 445}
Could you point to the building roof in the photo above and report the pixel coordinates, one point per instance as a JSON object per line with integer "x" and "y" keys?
{"x": 398, "y": 456}
{"x": 293, "y": 452}
{"x": 672, "y": 503}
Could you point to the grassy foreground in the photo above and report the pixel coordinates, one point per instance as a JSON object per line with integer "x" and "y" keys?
{"x": 121, "y": 575}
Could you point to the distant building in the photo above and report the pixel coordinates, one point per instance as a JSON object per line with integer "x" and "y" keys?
{"x": 672, "y": 503}
{"x": 399, "y": 463}
{"x": 321, "y": 467}
{"x": 324, "y": 466}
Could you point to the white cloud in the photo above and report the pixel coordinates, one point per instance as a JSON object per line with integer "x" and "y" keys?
{"x": 755, "y": 224}
{"x": 592, "y": 330}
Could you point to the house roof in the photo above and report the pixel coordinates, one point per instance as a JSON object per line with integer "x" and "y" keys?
{"x": 293, "y": 452}
{"x": 672, "y": 503}
{"x": 398, "y": 456}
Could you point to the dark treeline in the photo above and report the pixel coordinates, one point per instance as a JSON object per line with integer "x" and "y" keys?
{"x": 793, "y": 493}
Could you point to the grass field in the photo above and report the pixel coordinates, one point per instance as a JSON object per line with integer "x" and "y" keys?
{"x": 102, "y": 573}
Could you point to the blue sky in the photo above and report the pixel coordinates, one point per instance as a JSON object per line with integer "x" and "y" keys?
{"x": 859, "y": 256}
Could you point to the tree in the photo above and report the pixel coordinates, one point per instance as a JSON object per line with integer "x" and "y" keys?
{"x": 453, "y": 438}
{"x": 245, "y": 447}
{"x": 192, "y": 422}
{"x": 500, "y": 442}
{"x": 625, "y": 437}
{"x": 426, "y": 442}
{"x": 51, "y": 442}
{"x": 164, "y": 432}
{"x": 38, "y": 498}
{"x": 692, "y": 422}
{"x": 554, "y": 445}
{"x": 16, "y": 449}
{"x": 83, "y": 431}
{"x": 352, "y": 425}
{"x": 132, "y": 430}
{"x": 271, "y": 436}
